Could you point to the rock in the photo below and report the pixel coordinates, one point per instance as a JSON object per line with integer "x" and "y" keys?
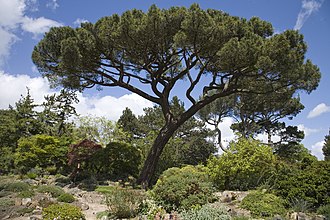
{"x": 299, "y": 216}
{"x": 104, "y": 217}
{"x": 84, "y": 206}
{"x": 18, "y": 201}
{"x": 35, "y": 217}
{"x": 319, "y": 217}
{"x": 26, "y": 201}
{"x": 277, "y": 217}
{"x": 37, "y": 212}
{"x": 229, "y": 196}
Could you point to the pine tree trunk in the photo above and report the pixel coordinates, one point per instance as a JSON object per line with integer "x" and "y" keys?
{"x": 156, "y": 150}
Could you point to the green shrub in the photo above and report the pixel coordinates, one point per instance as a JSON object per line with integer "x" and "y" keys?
{"x": 324, "y": 210}
{"x": 25, "y": 210}
{"x": 89, "y": 183}
{"x": 121, "y": 202}
{"x": 150, "y": 209}
{"x": 66, "y": 197}
{"x": 6, "y": 202}
{"x": 32, "y": 175}
{"x": 206, "y": 212}
{"x": 26, "y": 194}
{"x": 99, "y": 215}
{"x": 4, "y": 193}
{"x": 117, "y": 160}
{"x": 262, "y": 204}
{"x": 311, "y": 184}
{"x": 183, "y": 188}
{"x": 41, "y": 151}
{"x": 16, "y": 186}
{"x": 245, "y": 165}
{"x": 62, "y": 180}
{"x": 55, "y": 191}
{"x": 63, "y": 212}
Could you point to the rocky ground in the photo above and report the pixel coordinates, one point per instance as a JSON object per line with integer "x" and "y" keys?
{"x": 92, "y": 202}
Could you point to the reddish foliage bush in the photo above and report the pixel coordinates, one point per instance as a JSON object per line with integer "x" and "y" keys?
{"x": 81, "y": 152}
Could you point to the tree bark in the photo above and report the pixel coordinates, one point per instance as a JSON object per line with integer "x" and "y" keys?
{"x": 156, "y": 150}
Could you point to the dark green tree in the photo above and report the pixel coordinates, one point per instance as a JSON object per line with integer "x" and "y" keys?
{"x": 326, "y": 147}
{"x": 27, "y": 122}
{"x": 257, "y": 114}
{"x": 150, "y": 53}
{"x": 129, "y": 123}
{"x": 289, "y": 147}
{"x": 8, "y": 135}
{"x": 58, "y": 108}
{"x": 8, "y": 139}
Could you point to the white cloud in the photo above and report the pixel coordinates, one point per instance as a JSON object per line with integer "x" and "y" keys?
{"x": 226, "y": 132}
{"x": 263, "y": 137}
{"x": 32, "y": 5}
{"x": 307, "y": 131}
{"x": 111, "y": 107}
{"x": 38, "y": 26}
{"x": 11, "y": 12}
{"x": 227, "y": 135}
{"x": 79, "y": 21}
{"x": 12, "y": 87}
{"x": 13, "y": 18}
{"x": 307, "y": 8}
{"x": 52, "y": 4}
{"x": 318, "y": 110}
{"x": 316, "y": 150}
{"x": 7, "y": 39}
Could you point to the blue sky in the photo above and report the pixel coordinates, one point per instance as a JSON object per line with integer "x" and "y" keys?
{"x": 23, "y": 22}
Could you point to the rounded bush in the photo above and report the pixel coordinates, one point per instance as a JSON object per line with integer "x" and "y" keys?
{"x": 63, "y": 212}
{"x": 262, "y": 204}
{"x": 55, "y": 191}
{"x": 26, "y": 194}
{"x": 311, "y": 184}
{"x": 66, "y": 197}
{"x": 122, "y": 202}
{"x": 206, "y": 212}
{"x": 183, "y": 188}
{"x": 245, "y": 165}
{"x": 324, "y": 210}
{"x": 16, "y": 186}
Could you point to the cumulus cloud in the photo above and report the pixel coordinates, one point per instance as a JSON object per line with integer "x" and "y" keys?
{"x": 11, "y": 13}
{"x": 12, "y": 87}
{"x": 307, "y": 131}
{"x": 52, "y": 4}
{"x": 316, "y": 150}
{"x": 79, "y": 21}
{"x": 319, "y": 110}
{"x": 307, "y": 8}
{"x": 7, "y": 39}
{"x": 227, "y": 135}
{"x": 226, "y": 132}
{"x": 111, "y": 107}
{"x": 38, "y": 26}
{"x": 13, "y": 18}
